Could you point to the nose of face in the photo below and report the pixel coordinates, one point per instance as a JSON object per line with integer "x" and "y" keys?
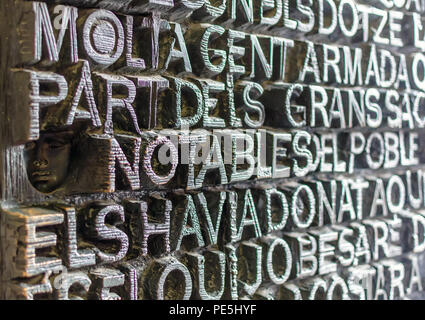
{"x": 41, "y": 156}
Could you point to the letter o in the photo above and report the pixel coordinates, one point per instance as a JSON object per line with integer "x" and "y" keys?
{"x": 337, "y": 281}
{"x": 103, "y": 37}
{"x": 278, "y": 279}
{"x": 370, "y": 162}
{"x": 159, "y": 274}
{"x": 311, "y": 207}
{"x": 402, "y": 192}
{"x": 355, "y": 26}
{"x": 419, "y": 58}
{"x": 147, "y": 160}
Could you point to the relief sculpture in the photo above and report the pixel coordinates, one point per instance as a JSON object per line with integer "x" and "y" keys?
{"x": 210, "y": 150}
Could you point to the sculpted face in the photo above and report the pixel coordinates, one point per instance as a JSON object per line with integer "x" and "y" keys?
{"x": 47, "y": 160}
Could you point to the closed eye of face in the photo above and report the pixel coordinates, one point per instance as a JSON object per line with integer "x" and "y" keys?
{"x": 56, "y": 143}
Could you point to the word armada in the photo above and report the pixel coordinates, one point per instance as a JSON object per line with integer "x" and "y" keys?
{"x": 191, "y": 149}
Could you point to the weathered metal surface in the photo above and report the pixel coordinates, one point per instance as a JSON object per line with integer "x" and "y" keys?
{"x": 236, "y": 149}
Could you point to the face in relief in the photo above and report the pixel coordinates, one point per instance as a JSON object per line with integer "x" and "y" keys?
{"x": 47, "y": 160}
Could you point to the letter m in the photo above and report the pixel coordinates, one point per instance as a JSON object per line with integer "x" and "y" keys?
{"x": 43, "y": 31}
